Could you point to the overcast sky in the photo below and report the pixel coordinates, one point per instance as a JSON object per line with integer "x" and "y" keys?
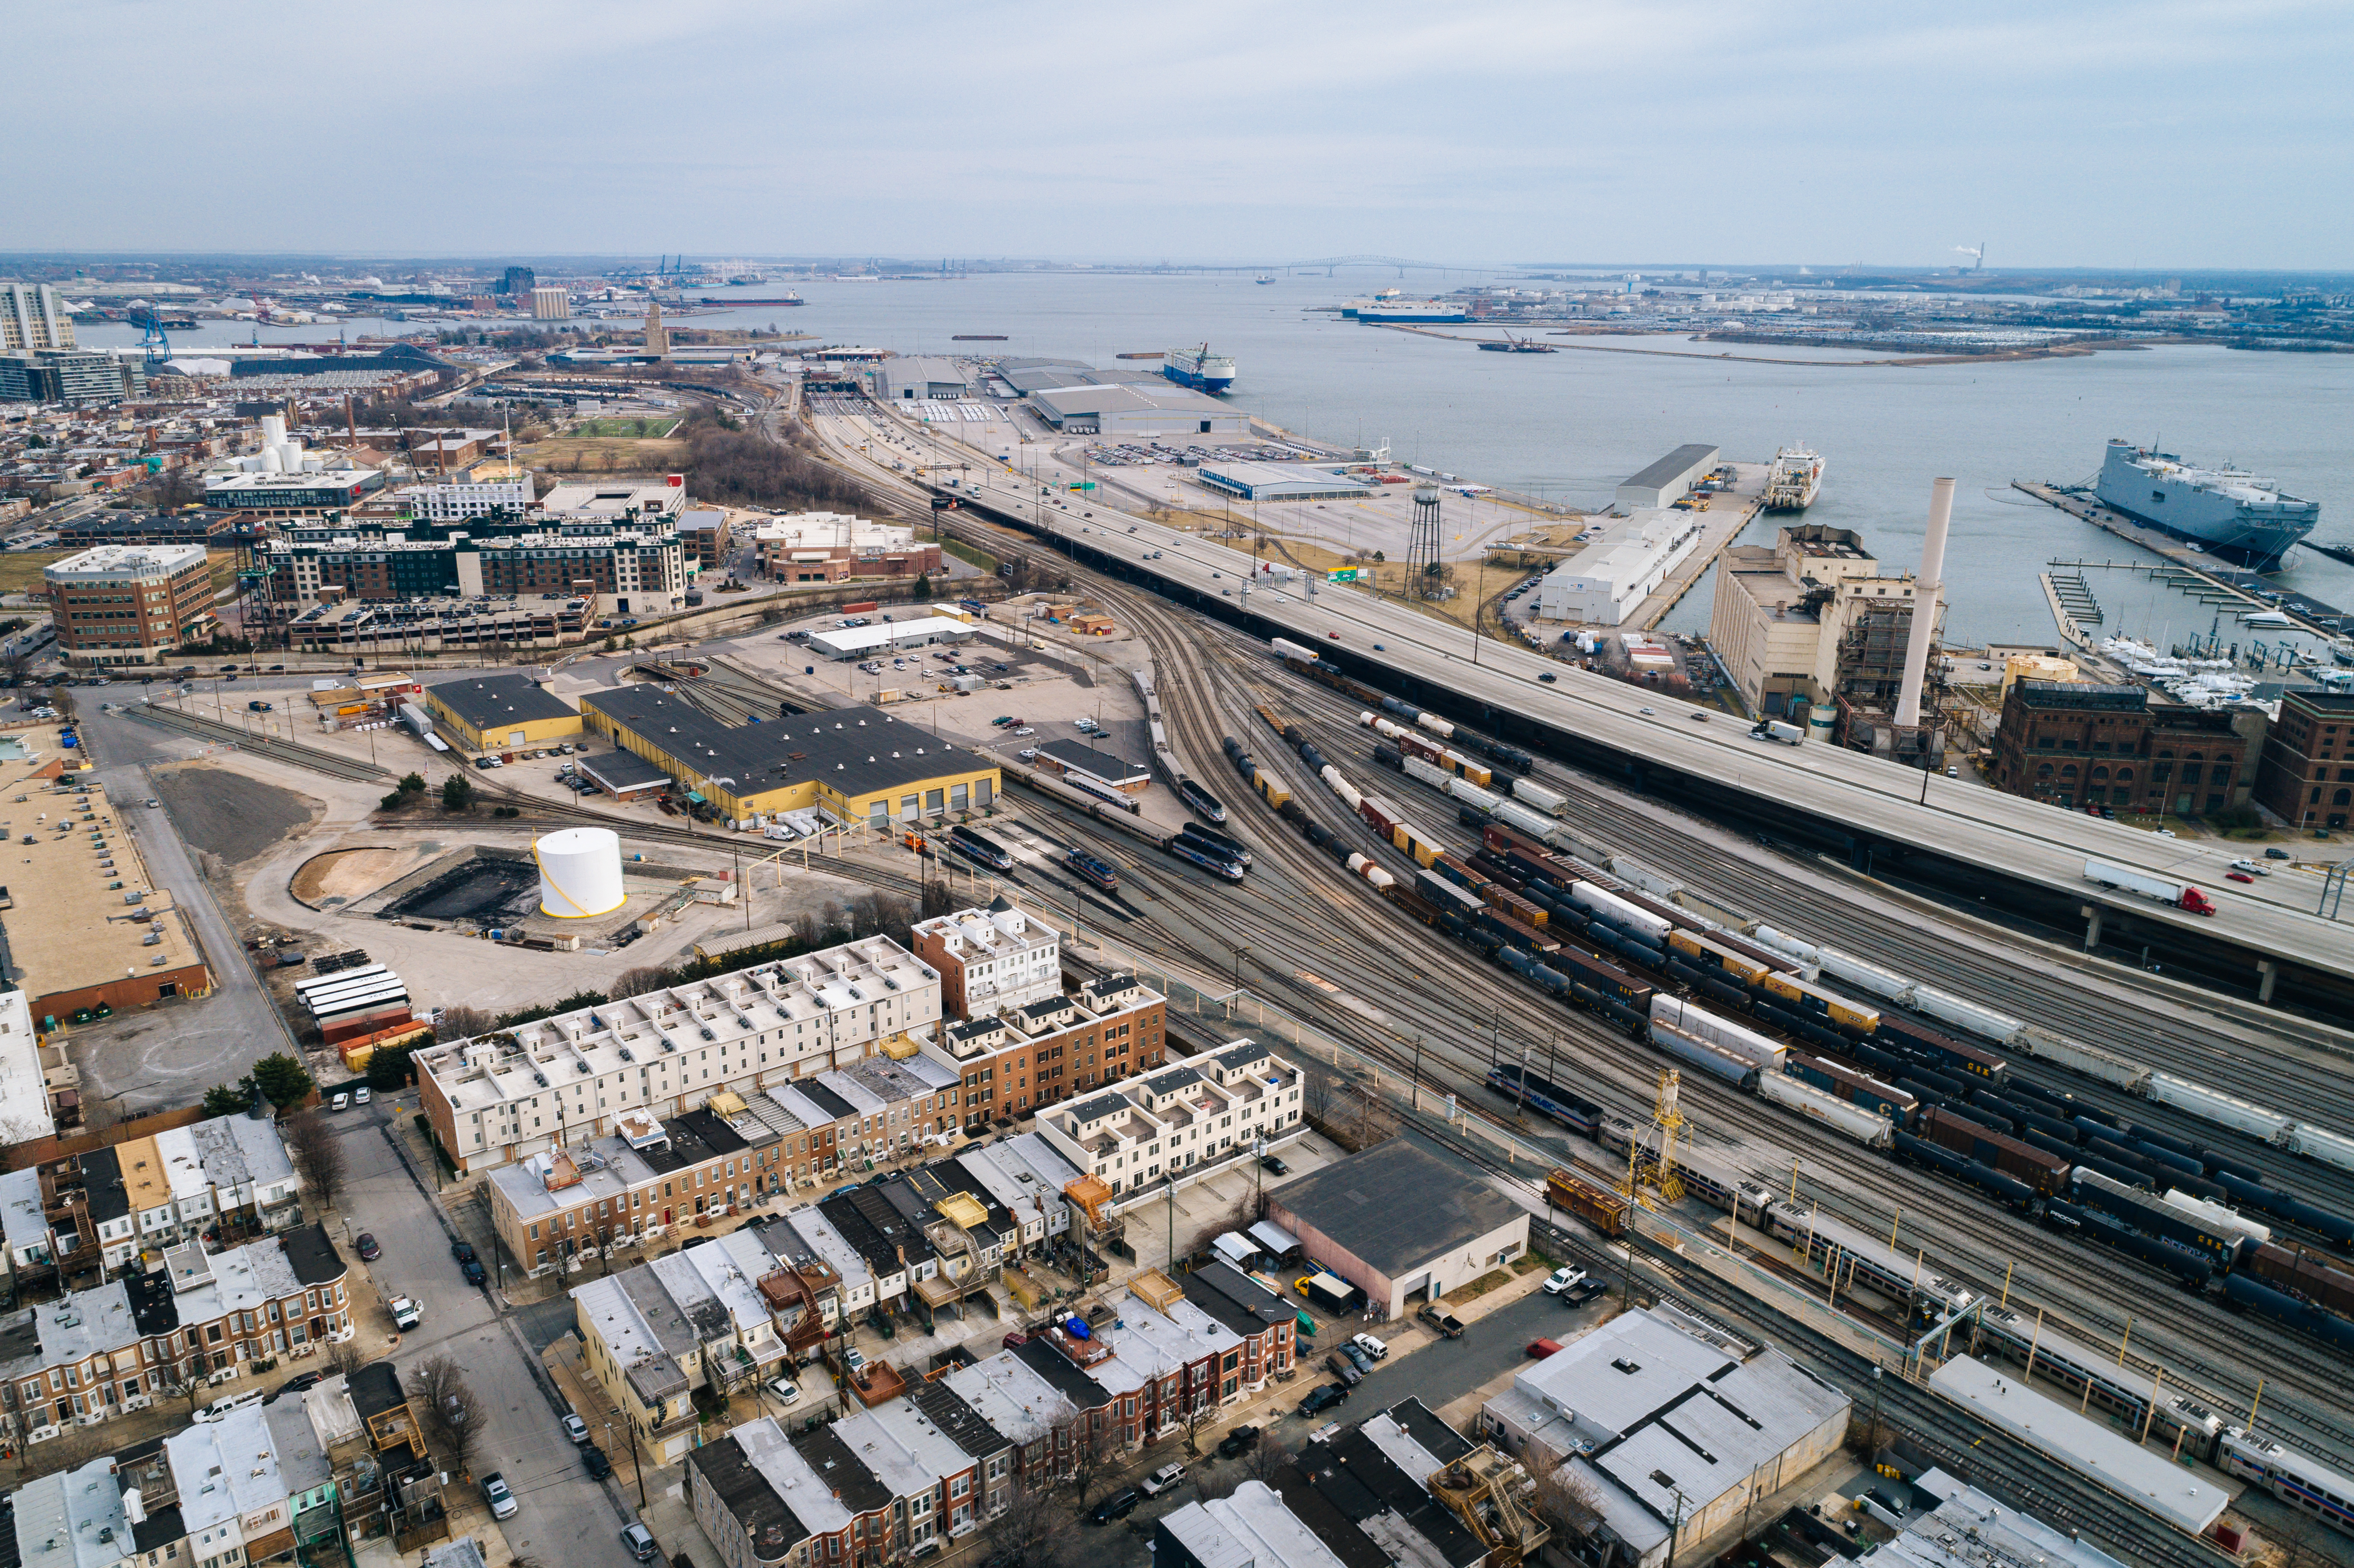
{"x": 2070, "y": 134}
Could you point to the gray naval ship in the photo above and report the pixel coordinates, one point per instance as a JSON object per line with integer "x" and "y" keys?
{"x": 2225, "y": 510}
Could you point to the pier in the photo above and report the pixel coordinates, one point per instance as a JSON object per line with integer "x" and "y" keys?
{"x": 2217, "y": 581}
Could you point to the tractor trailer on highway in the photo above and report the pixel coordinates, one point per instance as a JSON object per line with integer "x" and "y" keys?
{"x": 2181, "y": 895}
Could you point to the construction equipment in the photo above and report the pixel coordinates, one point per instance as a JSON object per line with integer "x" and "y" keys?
{"x": 1668, "y": 1120}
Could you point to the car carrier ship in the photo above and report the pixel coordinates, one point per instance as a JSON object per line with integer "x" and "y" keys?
{"x": 2225, "y": 510}
{"x": 1199, "y": 368}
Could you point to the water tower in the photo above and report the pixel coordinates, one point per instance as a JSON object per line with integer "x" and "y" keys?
{"x": 1422, "y": 545}
{"x": 579, "y": 872}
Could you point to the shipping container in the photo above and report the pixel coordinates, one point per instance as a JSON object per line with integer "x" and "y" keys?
{"x": 1506, "y": 902}
{"x": 1858, "y": 1088}
{"x": 2314, "y": 1279}
{"x": 1455, "y": 871}
{"x": 1714, "y": 1060}
{"x": 1742, "y": 1042}
{"x": 1519, "y": 933}
{"x": 1447, "y": 895}
{"x": 1379, "y": 813}
{"x": 1275, "y": 792}
{"x": 1416, "y": 841}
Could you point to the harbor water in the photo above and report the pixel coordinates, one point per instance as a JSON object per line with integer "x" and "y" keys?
{"x": 1569, "y": 426}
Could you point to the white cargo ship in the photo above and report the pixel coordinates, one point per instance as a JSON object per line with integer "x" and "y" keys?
{"x": 1792, "y": 484}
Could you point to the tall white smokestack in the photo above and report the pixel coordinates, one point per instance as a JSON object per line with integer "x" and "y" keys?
{"x": 1927, "y": 588}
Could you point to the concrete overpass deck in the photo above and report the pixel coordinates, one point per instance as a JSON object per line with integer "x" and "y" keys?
{"x": 1882, "y": 807}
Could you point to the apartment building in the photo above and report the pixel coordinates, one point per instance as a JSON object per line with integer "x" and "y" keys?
{"x": 32, "y": 317}
{"x": 2306, "y": 772}
{"x": 130, "y": 604}
{"x": 573, "y": 1079}
{"x": 654, "y": 1333}
{"x": 1198, "y": 1110}
{"x": 990, "y": 958}
{"x": 233, "y": 1502}
{"x": 457, "y": 500}
{"x": 1032, "y": 1055}
{"x": 632, "y": 563}
{"x": 231, "y": 1173}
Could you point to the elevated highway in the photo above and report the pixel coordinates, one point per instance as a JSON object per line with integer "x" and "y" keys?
{"x": 1968, "y": 843}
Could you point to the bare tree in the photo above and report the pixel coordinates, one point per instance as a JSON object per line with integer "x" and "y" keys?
{"x": 462, "y": 1022}
{"x": 451, "y": 1410}
{"x": 317, "y": 1154}
{"x": 638, "y": 982}
{"x": 1030, "y": 1534}
{"x": 1560, "y": 1496}
{"x": 342, "y": 1358}
{"x": 1093, "y": 1449}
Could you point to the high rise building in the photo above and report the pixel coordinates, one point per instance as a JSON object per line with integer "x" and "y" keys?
{"x": 69, "y": 375}
{"x": 31, "y": 317}
{"x": 517, "y": 281}
{"x": 130, "y": 604}
{"x": 551, "y": 304}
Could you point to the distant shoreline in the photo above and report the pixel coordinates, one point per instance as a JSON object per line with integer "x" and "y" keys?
{"x": 1993, "y": 356}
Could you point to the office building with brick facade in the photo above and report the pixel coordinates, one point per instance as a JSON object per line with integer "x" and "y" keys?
{"x": 1016, "y": 1062}
{"x": 131, "y": 604}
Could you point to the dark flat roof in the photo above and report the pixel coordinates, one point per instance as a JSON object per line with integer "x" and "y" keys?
{"x": 1673, "y": 465}
{"x": 850, "y": 748}
{"x": 486, "y": 700}
{"x": 715, "y": 1134}
{"x": 959, "y": 1421}
{"x": 1104, "y": 764}
{"x": 1397, "y": 1205}
{"x": 1067, "y": 1380}
{"x": 1439, "y": 1440}
{"x": 313, "y": 1253}
{"x": 746, "y": 1494}
{"x": 618, "y": 769}
{"x": 839, "y": 1468}
{"x": 374, "y": 1389}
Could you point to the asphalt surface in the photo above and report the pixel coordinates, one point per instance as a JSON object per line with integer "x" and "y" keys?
{"x": 169, "y": 1055}
{"x": 563, "y": 1516}
{"x": 1447, "y": 1369}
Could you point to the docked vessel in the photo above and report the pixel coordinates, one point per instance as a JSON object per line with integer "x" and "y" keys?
{"x": 1508, "y": 343}
{"x": 1793, "y": 481}
{"x": 1399, "y": 310}
{"x": 2227, "y": 511}
{"x": 1198, "y": 369}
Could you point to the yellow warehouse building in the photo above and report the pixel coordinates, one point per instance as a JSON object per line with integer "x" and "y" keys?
{"x": 500, "y": 712}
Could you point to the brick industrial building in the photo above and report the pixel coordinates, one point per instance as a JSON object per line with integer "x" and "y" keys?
{"x": 2078, "y": 745}
{"x": 2306, "y": 776}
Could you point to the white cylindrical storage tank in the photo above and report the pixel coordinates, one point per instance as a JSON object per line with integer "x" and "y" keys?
{"x": 579, "y": 872}
{"x": 273, "y": 429}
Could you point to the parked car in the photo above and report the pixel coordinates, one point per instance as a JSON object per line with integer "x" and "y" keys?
{"x": 256, "y": 707}
{"x": 1238, "y": 1441}
{"x": 1539, "y": 1349}
{"x": 639, "y": 1542}
{"x": 785, "y": 1389}
{"x": 366, "y": 1245}
{"x": 1562, "y": 1278}
{"x": 360, "y": 1095}
{"x": 1272, "y": 1166}
{"x": 1323, "y": 1397}
{"x": 341, "y": 1102}
{"x": 495, "y": 1493}
{"x": 462, "y": 1251}
{"x": 1358, "y": 1357}
{"x": 472, "y": 1271}
{"x": 1370, "y": 1345}
{"x": 1162, "y": 1479}
{"x": 1120, "y": 1505}
{"x": 1344, "y": 1368}
{"x": 576, "y": 1428}
{"x": 594, "y": 1457}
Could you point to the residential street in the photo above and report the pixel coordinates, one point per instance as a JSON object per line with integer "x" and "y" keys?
{"x": 564, "y": 1519}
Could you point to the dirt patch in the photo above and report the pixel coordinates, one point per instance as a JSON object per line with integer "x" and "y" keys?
{"x": 231, "y": 815}
{"x": 341, "y": 875}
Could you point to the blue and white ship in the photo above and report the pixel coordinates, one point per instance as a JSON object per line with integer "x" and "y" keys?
{"x": 2225, "y": 510}
{"x": 1199, "y": 368}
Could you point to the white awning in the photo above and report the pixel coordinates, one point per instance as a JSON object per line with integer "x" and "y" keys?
{"x": 1234, "y": 1248}
{"x": 1274, "y": 1237}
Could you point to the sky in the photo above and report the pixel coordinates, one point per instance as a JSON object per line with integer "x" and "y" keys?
{"x": 2082, "y": 133}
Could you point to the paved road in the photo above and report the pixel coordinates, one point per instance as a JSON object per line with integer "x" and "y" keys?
{"x": 1449, "y": 1368}
{"x": 563, "y": 1517}
{"x": 170, "y": 1055}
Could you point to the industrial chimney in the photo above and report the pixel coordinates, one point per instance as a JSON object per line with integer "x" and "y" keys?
{"x": 1927, "y": 586}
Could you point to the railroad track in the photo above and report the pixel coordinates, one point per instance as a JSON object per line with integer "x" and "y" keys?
{"x": 287, "y": 751}
{"x": 1248, "y": 920}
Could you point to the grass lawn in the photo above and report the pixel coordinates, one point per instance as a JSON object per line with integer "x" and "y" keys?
{"x": 969, "y": 555}
{"x": 574, "y": 454}
{"x": 652, "y": 429}
{"x": 20, "y": 570}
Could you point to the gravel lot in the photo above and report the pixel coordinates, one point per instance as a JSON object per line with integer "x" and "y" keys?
{"x": 229, "y": 814}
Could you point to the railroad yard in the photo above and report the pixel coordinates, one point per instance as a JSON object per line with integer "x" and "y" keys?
{"x": 1872, "y": 1123}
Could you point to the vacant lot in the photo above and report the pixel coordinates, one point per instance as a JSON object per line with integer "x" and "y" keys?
{"x": 232, "y": 816}
{"x": 654, "y": 428}
{"x": 580, "y": 454}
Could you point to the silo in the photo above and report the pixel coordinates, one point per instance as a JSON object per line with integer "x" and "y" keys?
{"x": 579, "y": 872}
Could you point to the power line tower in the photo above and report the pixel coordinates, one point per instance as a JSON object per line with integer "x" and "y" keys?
{"x": 1422, "y": 546}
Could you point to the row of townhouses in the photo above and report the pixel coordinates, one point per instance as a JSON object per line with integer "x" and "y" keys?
{"x": 99, "y": 1209}
{"x": 257, "y": 1484}
{"x": 202, "y": 1319}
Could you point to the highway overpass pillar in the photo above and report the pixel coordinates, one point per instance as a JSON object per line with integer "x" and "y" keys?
{"x": 2269, "y": 969}
{"x": 2092, "y": 913}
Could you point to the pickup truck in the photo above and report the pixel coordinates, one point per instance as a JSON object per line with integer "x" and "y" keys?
{"x": 406, "y": 1313}
{"x": 1440, "y": 1318}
